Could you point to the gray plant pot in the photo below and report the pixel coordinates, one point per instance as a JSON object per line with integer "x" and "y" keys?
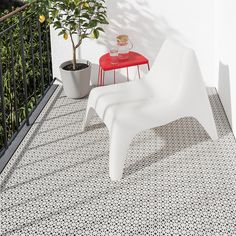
{"x": 76, "y": 84}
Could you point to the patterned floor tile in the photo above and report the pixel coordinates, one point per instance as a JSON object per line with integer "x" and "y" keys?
{"x": 176, "y": 180}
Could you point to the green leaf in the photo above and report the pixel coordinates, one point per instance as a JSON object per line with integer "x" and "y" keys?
{"x": 96, "y": 34}
{"x": 92, "y": 24}
{"x": 100, "y": 29}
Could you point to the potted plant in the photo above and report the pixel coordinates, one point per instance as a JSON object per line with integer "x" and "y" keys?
{"x": 77, "y": 20}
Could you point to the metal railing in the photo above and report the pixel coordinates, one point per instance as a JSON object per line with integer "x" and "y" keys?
{"x": 25, "y": 70}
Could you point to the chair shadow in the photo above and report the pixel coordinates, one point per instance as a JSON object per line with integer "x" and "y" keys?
{"x": 180, "y": 135}
{"x": 95, "y": 126}
{"x": 176, "y": 140}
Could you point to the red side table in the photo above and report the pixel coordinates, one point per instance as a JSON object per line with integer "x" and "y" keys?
{"x": 135, "y": 59}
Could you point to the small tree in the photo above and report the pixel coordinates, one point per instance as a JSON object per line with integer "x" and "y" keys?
{"x": 78, "y": 17}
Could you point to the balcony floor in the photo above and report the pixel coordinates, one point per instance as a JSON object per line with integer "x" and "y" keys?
{"x": 176, "y": 180}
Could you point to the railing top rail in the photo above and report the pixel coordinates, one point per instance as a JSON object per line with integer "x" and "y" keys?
{"x": 17, "y": 10}
{"x": 12, "y": 26}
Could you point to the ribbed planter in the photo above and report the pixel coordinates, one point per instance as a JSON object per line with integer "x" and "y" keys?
{"x": 76, "y": 84}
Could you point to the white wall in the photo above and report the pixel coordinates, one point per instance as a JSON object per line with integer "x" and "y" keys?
{"x": 148, "y": 23}
{"x": 226, "y": 56}
{"x": 208, "y": 26}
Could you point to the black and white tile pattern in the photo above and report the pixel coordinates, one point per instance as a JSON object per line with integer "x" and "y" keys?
{"x": 176, "y": 180}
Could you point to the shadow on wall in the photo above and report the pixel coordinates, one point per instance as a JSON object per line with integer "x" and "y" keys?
{"x": 224, "y": 90}
{"x": 135, "y": 18}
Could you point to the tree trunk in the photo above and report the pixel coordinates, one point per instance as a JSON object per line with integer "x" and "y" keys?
{"x": 74, "y": 58}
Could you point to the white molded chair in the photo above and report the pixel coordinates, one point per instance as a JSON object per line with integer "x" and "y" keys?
{"x": 173, "y": 89}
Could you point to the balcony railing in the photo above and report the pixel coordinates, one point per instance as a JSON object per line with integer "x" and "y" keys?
{"x": 25, "y": 70}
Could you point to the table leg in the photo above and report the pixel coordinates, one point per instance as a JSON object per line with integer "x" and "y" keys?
{"x": 99, "y": 76}
{"x": 127, "y": 73}
{"x": 103, "y": 77}
{"x": 139, "y": 72}
{"x": 114, "y": 76}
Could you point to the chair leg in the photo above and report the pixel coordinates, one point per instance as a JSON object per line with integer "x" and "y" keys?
{"x": 119, "y": 145}
{"x": 88, "y": 117}
{"x": 208, "y": 124}
{"x": 204, "y": 115}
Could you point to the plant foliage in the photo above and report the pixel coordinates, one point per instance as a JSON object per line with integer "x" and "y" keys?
{"x": 80, "y": 18}
{"x": 83, "y": 18}
{"x": 37, "y": 78}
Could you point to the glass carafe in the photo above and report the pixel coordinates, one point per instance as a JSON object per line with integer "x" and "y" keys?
{"x": 124, "y": 46}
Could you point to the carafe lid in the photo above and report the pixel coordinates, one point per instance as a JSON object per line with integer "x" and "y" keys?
{"x": 123, "y": 38}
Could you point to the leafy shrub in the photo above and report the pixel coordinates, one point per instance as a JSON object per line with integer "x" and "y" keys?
{"x": 37, "y": 78}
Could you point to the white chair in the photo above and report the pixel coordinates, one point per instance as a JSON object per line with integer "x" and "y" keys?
{"x": 173, "y": 89}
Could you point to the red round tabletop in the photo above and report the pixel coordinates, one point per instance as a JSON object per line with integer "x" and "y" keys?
{"x": 134, "y": 59}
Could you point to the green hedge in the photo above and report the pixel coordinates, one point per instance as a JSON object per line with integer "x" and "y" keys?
{"x": 35, "y": 88}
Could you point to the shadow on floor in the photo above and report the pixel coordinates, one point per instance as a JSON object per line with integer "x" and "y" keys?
{"x": 18, "y": 160}
{"x": 176, "y": 140}
{"x": 174, "y": 134}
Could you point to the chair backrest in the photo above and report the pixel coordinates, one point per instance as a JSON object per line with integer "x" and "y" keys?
{"x": 175, "y": 68}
